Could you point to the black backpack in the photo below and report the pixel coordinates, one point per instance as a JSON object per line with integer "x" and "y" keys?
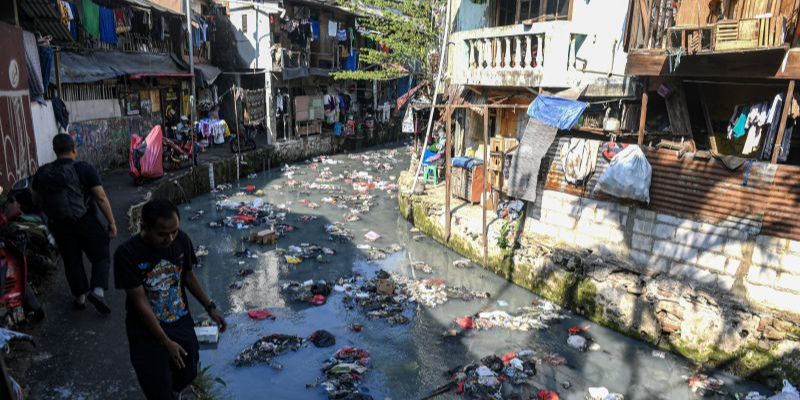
{"x": 61, "y": 191}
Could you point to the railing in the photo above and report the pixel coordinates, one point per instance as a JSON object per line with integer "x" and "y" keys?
{"x": 518, "y": 52}
{"x": 134, "y": 43}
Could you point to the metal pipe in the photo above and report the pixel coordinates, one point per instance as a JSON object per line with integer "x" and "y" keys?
{"x": 193, "y": 92}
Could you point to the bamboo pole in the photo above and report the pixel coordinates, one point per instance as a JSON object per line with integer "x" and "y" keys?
{"x": 483, "y": 190}
{"x": 448, "y": 169}
{"x": 643, "y": 112}
{"x": 787, "y": 105}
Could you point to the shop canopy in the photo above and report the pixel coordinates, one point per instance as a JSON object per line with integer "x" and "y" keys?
{"x": 102, "y": 65}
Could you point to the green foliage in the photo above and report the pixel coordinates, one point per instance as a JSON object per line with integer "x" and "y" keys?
{"x": 410, "y": 28}
{"x": 206, "y": 386}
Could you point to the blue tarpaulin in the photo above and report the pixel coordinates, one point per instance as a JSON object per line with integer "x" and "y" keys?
{"x": 556, "y": 111}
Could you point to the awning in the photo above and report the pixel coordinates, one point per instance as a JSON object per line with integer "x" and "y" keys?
{"x": 209, "y": 72}
{"x": 102, "y": 65}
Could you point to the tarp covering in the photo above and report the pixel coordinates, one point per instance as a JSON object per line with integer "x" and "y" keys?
{"x": 102, "y": 65}
{"x": 210, "y": 72}
{"x": 295, "y": 73}
{"x": 556, "y": 111}
{"x": 523, "y": 175}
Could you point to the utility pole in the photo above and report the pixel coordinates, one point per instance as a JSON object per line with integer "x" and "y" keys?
{"x": 193, "y": 93}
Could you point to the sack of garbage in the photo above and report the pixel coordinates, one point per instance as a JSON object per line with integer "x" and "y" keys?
{"x": 789, "y": 392}
{"x": 628, "y": 176}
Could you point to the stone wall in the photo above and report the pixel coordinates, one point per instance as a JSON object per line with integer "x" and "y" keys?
{"x": 105, "y": 143}
{"x": 721, "y": 294}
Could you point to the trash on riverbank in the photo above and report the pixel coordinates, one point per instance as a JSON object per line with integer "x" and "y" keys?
{"x": 422, "y": 267}
{"x": 201, "y": 251}
{"x": 704, "y": 385}
{"x": 338, "y": 233}
{"x": 264, "y": 350}
{"x": 343, "y": 372}
{"x": 601, "y": 393}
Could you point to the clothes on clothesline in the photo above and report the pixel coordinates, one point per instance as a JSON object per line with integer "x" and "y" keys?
{"x": 578, "y": 160}
{"x": 758, "y": 123}
{"x": 108, "y": 31}
{"x": 214, "y": 129}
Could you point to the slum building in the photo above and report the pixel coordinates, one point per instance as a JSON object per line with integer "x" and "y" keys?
{"x": 705, "y": 264}
{"x": 288, "y": 51}
{"x": 107, "y": 70}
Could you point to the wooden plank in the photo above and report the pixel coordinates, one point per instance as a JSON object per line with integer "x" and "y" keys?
{"x": 448, "y": 172}
{"x": 645, "y": 65}
{"x": 787, "y": 105}
{"x": 678, "y": 110}
{"x": 707, "y": 117}
{"x": 643, "y": 111}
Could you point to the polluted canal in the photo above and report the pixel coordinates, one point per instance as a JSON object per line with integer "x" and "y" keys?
{"x": 321, "y": 246}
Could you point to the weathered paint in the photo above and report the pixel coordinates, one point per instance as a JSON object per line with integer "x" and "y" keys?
{"x": 105, "y": 142}
{"x": 18, "y": 158}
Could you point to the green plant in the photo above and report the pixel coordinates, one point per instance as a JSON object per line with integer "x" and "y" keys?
{"x": 206, "y": 386}
{"x": 410, "y": 28}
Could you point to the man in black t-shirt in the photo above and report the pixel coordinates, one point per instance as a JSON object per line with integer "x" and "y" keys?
{"x": 70, "y": 192}
{"x": 155, "y": 270}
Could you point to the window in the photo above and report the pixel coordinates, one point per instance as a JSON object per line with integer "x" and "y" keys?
{"x": 510, "y": 12}
{"x": 244, "y": 23}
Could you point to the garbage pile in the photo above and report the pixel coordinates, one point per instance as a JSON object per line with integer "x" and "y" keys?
{"x": 306, "y": 251}
{"x": 264, "y": 350}
{"x": 524, "y": 319}
{"x": 377, "y": 254}
{"x": 338, "y": 233}
{"x": 434, "y": 292}
{"x": 485, "y": 379}
{"x": 378, "y": 298}
{"x": 789, "y": 392}
{"x": 344, "y": 371}
{"x": 313, "y": 292}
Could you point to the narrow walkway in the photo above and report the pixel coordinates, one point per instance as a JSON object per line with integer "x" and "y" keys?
{"x": 81, "y": 354}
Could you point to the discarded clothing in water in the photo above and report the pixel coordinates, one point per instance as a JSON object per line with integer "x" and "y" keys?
{"x": 344, "y": 371}
{"x": 322, "y": 338}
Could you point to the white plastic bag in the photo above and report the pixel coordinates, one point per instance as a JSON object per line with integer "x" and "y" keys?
{"x": 789, "y": 392}
{"x": 628, "y": 176}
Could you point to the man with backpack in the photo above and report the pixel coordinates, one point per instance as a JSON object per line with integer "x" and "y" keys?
{"x": 69, "y": 193}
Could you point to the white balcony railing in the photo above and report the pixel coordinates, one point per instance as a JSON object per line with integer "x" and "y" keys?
{"x": 506, "y": 53}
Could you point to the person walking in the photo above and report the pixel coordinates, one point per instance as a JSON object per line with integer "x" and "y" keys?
{"x": 70, "y": 193}
{"x": 155, "y": 268}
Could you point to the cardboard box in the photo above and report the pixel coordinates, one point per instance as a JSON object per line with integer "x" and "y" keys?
{"x": 264, "y": 237}
{"x": 496, "y": 145}
{"x": 207, "y": 334}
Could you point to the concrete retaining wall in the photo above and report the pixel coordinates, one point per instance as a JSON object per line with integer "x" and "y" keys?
{"x": 720, "y": 294}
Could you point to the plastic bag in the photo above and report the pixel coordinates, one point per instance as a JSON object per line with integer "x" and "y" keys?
{"x": 628, "y": 176}
{"x": 147, "y": 163}
{"x": 789, "y": 392}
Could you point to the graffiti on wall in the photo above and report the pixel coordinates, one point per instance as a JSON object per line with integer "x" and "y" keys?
{"x": 18, "y": 148}
{"x": 105, "y": 142}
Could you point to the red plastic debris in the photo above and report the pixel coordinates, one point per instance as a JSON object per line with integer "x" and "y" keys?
{"x": 244, "y": 218}
{"x": 434, "y": 282}
{"x": 465, "y": 323}
{"x": 250, "y": 188}
{"x": 260, "y": 314}
{"x": 546, "y": 395}
{"x": 460, "y": 389}
{"x": 577, "y": 329}
{"x": 356, "y": 327}
{"x": 318, "y": 300}
{"x": 508, "y": 357}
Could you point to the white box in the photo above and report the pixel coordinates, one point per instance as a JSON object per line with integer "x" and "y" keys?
{"x": 207, "y": 334}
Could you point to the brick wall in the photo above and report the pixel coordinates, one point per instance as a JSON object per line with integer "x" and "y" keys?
{"x": 730, "y": 255}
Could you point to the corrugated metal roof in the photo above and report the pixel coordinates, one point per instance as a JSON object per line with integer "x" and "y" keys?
{"x": 704, "y": 189}
{"x": 46, "y": 19}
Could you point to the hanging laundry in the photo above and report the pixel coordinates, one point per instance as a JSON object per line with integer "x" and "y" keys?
{"x": 773, "y": 118}
{"x": 315, "y": 30}
{"x": 65, "y": 12}
{"x": 333, "y": 28}
{"x": 756, "y": 121}
{"x": 578, "y": 160}
{"x": 121, "y": 21}
{"x": 91, "y": 18}
{"x": 73, "y": 23}
{"x": 108, "y": 32}
{"x": 736, "y": 125}
{"x": 341, "y": 35}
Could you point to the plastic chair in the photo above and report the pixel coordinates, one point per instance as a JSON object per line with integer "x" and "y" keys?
{"x": 431, "y": 174}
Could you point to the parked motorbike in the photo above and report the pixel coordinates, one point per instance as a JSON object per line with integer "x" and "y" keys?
{"x": 244, "y": 139}
{"x": 176, "y": 155}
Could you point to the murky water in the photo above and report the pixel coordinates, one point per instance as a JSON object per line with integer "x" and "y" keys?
{"x": 408, "y": 361}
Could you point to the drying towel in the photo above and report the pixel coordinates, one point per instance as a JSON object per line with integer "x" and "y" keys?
{"x": 108, "y": 31}
{"x": 91, "y": 18}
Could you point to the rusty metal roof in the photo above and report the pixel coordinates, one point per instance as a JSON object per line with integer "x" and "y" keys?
{"x": 46, "y": 19}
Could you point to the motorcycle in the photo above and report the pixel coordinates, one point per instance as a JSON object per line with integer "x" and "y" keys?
{"x": 245, "y": 141}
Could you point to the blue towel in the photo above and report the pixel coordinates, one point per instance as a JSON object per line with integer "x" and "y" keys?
{"x": 739, "y": 128}
{"x": 556, "y": 111}
{"x": 315, "y": 30}
{"x": 352, "y": 62}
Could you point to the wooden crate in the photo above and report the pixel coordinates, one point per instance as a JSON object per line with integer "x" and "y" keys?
{"x": 458, "y": 181}
{"x": 692, "y": 39}
{"x": 467, "y": 184}
{"x": 496, "y": 161}
{"x": 737, "y": 35}
{"x": 496, "y": 180}
{"x": 496, "y": 145}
